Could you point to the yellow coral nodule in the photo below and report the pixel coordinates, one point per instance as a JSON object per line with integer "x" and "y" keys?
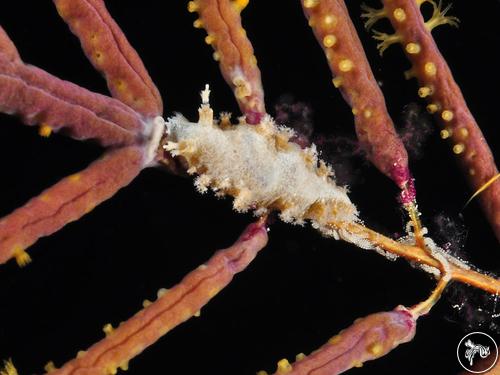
{"x": 8, "y": 368}
{"x": 308, "y": 4}
{"x": 284, "y": 366}
{"x": 108, "y": 329}
{"x": 49, "y": 367}
{"x": 22, "y": 257}
{"x": 240, "y": 4}
{"x": 193, "y": 6}
{"x": 45, "y": 131}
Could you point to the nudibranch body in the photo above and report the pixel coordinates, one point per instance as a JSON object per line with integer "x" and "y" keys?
{"x": 262, "y": 170}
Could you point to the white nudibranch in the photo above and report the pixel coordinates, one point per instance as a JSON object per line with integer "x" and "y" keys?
{"x": 263, "y": 171}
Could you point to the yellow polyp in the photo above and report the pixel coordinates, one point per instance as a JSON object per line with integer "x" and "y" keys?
{"x": 197, "y": 314}
{"x": 22, "y": 257}
{"x": 192, "y": 6}
{"x": 240, "y": 4}
{"x": 329, "y": 40}
{"x": 386, "y": 40}
{"x": 99, "y": 56}
{"x": 300, "y": 357}
{"x": 439, "y": 16}
{"x": 45, "y": 198}
{"x": 111, "y": 370}
{"x": 161, "y": 292}
{"x": 93, "y": 37}
{"x": 346, "y": 65}
{"x": 253, "y": 60}
{"x": 80, "y": 353}
{"x": 74, "y": 177}
{"x": 75, "y": 24}
{"x": 483, "y": 187}
{"x": 108, "y": 329}
{"x": 354, "y": 111}
{"x": 357, "y": 364}
{"x": 120, "y": 84}
{"x": 399, "y": 14}
{"x": 335, "y": 339}
{"x": 447, "y": 115}
{"x": 284, "y": 366}
{"x": 198, "y": 24}
{"x": 209, "y": 39}
{"x": 262, "y": 372}
{"x": 372, "y": 15}
{"x": 311, "y": 22}
{"x": 472, "y": 172}
{"x": 146, "y": 303}
{"x": 458, "y": 148}
{"x": 186, "y": 314}
{"x": 216, "y": 56}
{"x": 8, "y": 368}
{"x": 430, "y": 69}
{"x": 49, "y": 367}
{"x": 367, "y": 113}
{"x": 212, "y": 292}
{"x": 375, "y": 349}
{"x": 413, "y": 48}
{"x": 432, "y": 108}
{"x": 463, "y": 132}
{"x": 337, "y": 81}
{"x": 445, "y": 133}
{"x": 310, "y": 3}
{"x": 62, "y": 10}
{"x": 424, "y": 92}
{"x": 45, "y": 130}
{"x": 124, "y": 366}
{"x": 89, "y": 208}
{"x": 329, "y": 20}
{"x": 138, "y": 102}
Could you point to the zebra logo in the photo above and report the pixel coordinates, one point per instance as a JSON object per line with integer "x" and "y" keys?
{"x": 473, "y": 349}
{"x": 477, "y": 352}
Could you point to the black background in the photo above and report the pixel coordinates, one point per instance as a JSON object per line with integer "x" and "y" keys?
{"x": 302, "y": 288}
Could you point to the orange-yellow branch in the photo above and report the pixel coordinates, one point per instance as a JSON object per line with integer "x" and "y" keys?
{"x": 67, "y": 201}
{"x": 172, "y": 308}
{"x": 109, "y": 51}
{"x": 418, "y": 255}
{"x": 234, "y": 52}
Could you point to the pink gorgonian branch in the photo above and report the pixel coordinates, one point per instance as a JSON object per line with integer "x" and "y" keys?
{"x": 127, "y": 124}
{"x": 442, "y": 93}
{"x": 335, "y": 32}
{"x": 173, "y": 307}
